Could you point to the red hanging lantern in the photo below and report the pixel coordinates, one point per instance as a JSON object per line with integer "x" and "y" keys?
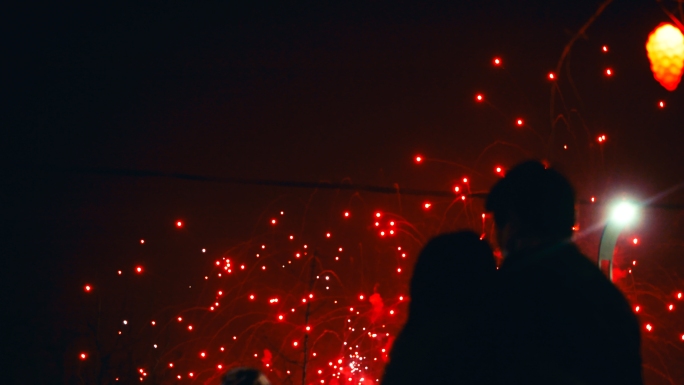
{"x": 665, "y": 47}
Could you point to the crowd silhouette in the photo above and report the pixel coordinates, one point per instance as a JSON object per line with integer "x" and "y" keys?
{"x": 546, "y": 316}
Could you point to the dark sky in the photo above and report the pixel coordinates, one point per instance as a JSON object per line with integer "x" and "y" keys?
{"x": 309, "y": 92}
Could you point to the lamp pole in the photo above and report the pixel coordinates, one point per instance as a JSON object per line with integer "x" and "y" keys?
{"x": 622, "y": 214}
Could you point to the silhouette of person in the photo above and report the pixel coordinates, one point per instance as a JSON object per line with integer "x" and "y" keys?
{"x": 244, "y": 376}
{"x": 445, "y": 339}
{"x": 562, "y": 321}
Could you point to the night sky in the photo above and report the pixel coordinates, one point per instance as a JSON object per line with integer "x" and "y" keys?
{"x": 312, "y": 92}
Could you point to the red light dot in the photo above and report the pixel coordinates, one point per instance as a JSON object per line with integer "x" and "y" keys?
{"x": 251, "y": 297}
{"x": 391, "y": 312}
{"x": 189, "y": 327}
{"x": 83, "y": 356}
{"x": 346, "y": 214}
{"x": 327, "y": 235}
{"x": 219, "y": 366}
{"x": 418, "y": 159}
{"x": 661, "y": 104}
{"x": 593, "y": 199}
{"x": 180, "y": 319}
{"x": 203, "y": 354}
{"x": 637, "y": 308}
{"x": 635, "y": 241}
{"x": 604, "y": 48}
{"x": 170, "y": 364}
{"x": 649, "y": 327}
{"x": 179, "y": 224}
{"x": 457, "y": 189}
{"x": 139, "y": 269}
{"x": 670, "y": 307}
{"x": 497, "y": 61}
{"x": 609, "y": 72}
{"x": 399, "y": 270}
{"x": 479, "y": 97}
{"x": 465, "y": 180}
{"x": 295, "y": 343}
{"x": 361, "y": 297}
{"x": 153, "y": 323}
{"x": 679, "y": 295}
{"x": 280, "y": 317}
{"x": 273, "y": 221}
{"x": 427, "y": 205}
{"x": 519, "y": 122}
{"x": 143, "y": 241}
{"x": 87, "y": 288}
{"x": 552, "y": 76}
{"x": 378, "y": 214}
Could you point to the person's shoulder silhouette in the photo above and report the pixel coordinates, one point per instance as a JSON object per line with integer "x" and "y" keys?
{"x": 563, "y": 321}
{"x": 443, "y": 339}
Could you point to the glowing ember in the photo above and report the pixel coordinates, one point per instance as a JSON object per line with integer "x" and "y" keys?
{"x": 665, "y": 48}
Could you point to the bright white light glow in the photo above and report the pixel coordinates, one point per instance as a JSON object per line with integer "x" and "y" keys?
{"x": 623, "y": 213}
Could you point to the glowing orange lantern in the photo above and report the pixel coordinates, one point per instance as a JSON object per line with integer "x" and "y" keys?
{"x": 665, "y": 47}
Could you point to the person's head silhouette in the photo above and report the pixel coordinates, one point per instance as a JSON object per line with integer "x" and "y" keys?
{"x": 452, "y": 270}
{"x": 532, "y": 205}
{"x": 244, "y": 376}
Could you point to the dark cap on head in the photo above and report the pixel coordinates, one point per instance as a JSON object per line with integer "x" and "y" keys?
{"x": 540, "y": 199}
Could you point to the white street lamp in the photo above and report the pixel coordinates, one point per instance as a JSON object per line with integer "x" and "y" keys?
{"x": 621, "y": 215}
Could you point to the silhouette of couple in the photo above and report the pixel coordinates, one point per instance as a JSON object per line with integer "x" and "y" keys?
{"x": 546, "y": 316}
